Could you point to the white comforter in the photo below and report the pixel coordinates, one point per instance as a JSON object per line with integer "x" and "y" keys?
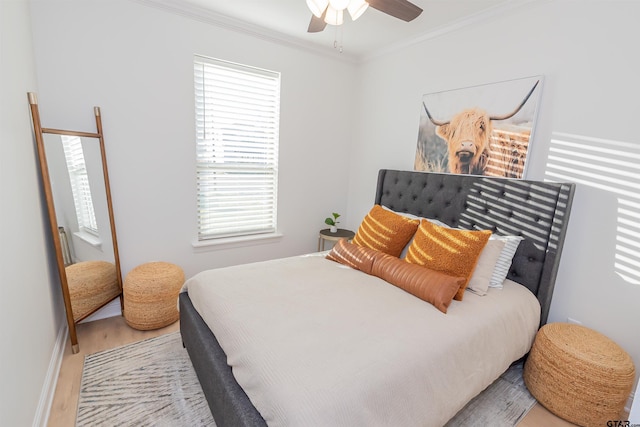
{"x": 314, "y": 343}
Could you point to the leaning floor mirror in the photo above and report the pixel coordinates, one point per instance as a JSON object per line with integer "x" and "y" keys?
{"x": 75, "y": 180}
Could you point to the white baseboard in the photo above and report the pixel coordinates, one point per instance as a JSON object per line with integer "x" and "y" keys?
{"x": 49, "y": 388}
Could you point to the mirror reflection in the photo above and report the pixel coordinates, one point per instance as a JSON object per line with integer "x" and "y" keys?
{"x": 79, "y": 196}
{"x": 80, "y": 202}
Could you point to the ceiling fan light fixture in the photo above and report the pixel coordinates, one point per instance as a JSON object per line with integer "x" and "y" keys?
{"x": 333, "y": 16}
{"x": 317, "y": 7}
{"x": 339, "y": 4}
{"x": 356, "y": 8}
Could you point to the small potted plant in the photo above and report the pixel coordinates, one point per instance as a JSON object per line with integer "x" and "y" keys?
{"x": 332, "y": 222}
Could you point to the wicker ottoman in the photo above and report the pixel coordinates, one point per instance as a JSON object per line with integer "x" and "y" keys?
{"x": 579, "y": 374}
{"x": 91, "y": 285}
{"x": 151, "y": 295}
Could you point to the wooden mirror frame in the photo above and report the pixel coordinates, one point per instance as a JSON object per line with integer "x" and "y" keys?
{"x": 39, "y": 132}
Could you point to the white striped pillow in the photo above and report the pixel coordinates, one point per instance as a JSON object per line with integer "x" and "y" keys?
{"x": 501, "y": 268}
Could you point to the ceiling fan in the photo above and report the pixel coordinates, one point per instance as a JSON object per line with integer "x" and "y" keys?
{"x": 332, "y": 11}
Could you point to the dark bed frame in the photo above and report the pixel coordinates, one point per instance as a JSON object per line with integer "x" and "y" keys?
{"x": 537, "y": 211}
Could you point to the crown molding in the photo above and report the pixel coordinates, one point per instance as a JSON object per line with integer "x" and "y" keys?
{"x": 208, "y": 16}
{"x": 451, "y": 27}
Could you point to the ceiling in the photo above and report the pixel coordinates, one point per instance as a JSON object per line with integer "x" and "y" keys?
{"x": 372, "y": 33}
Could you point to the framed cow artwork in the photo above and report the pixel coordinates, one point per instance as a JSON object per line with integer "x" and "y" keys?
{"x": 480, "y": 130}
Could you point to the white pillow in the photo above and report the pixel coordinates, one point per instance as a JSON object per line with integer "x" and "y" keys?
{"x": 503, "y": 263}
{"x": 481, "y": 277}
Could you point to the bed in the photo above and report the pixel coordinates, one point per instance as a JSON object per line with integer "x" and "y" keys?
{"x": 310, "y": 341}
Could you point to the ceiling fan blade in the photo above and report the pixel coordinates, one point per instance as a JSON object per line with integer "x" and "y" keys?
{"x": 317, "y": 24}
{"x": 401, "y": 9}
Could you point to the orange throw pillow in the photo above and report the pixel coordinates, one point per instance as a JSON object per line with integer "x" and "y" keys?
{"x": 431, "y": 286}
{"x": 451, "y": 251}
{"x": 385, "y": 231}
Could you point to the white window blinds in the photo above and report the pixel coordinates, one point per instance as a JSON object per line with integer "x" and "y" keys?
{"x": 237, "y": 124}
{"x": 79, "y": 183}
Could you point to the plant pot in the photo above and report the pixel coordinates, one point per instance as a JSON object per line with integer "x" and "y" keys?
{"x": 333, "y": 229}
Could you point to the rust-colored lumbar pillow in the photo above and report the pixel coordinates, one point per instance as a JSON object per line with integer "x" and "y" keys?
{"x": 354, "y": 256}
{"x": 448, "y": 250}
{"x": 385, "y": 231}
{"x": 429, "y": 285}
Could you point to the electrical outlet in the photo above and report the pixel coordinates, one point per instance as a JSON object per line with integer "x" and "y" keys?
{"x": 574, "y": 321}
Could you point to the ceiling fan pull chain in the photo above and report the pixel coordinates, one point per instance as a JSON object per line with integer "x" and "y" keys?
{"x": 338, "y": 35}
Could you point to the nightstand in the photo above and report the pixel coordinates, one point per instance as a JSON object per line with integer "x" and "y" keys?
{"x": 326, "y": 234}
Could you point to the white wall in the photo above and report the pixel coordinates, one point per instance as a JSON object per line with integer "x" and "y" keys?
{"x": 136, "y": 63}
{"x": 30, "y": 306}
{"x": 591, "y": 90}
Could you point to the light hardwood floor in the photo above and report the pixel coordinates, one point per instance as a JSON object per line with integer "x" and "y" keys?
{"x": 114, "y": 332}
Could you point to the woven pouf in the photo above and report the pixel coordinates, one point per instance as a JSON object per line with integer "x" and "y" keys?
{"x": 151, "y": 295}
{"x": 91, "y": 284}
{"x": 579, "y": 374}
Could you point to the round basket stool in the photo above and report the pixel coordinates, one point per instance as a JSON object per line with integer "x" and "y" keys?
{"x": 151, "y": 295}
{"x": 91, "y": 285}
{"x": 579, "y": 374}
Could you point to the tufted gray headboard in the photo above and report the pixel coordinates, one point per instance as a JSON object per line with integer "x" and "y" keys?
{"x": 537, "y": 211}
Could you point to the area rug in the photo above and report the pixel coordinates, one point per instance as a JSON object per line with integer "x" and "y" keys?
{"x": 152, "y": 383}
{"x": 147, "y": 383}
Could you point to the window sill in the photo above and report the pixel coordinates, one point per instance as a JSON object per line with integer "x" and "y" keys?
{"x": 89, "y": 238}
{"x": 235, "y": 242}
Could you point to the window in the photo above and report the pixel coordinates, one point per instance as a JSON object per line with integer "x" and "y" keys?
{"x": 237, "y": 119}
{"x": 77, "y": 168}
